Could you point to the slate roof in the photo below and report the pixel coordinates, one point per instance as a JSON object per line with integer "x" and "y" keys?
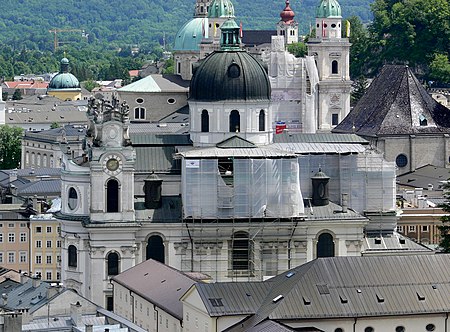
{"x": 423, "y": 176}
{"x": 157, "y": 283}
{"x": 338, "y": 287}
{"x": 394, "y": 104}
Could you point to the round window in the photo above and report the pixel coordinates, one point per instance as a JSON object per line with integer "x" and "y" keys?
{"x": 171, "y": 101}
{"x": 400, "y": 329}
{"x": 234, "y": 71}
{"x": 139, "y": 100}
{"x": 430, "y": 327}
{"x": 333, "y": 25}
{"x": 401, "y": 160}
{"x": 369, "y": 329}
{"x": 73, "y": 198}
{"x": 339, "y": 330}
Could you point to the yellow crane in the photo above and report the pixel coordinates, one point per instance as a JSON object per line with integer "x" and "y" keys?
{"x": 56, "y": 31}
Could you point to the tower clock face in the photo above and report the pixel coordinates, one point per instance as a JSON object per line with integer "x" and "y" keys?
{"x": 112, "y": 164}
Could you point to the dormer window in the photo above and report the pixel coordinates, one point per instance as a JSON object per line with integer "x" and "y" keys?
{"x": 423, "y": 120}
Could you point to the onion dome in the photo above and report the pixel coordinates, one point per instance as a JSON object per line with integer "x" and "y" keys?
{"x": 221, "y": 8}
{"x": 328, "y": 8}
{"x": 190, "y": 35}
{"x": 287, "y": 14}
{"x": 64, "y": 79}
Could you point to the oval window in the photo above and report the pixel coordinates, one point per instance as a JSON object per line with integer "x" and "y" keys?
{"x": 430, "y": 327}
{"x": 333, "y": 25}
{"x": 400, "y": 329}
{"x": 401, "y": 160}
{"x": 171, "y": 101}
{"x": 139, "y": 100}
{"x": 73, "y": 198}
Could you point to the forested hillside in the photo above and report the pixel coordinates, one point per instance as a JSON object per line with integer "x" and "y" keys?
{"x": 139, "y": 22}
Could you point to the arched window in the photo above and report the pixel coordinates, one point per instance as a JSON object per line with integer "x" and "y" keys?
{"x": 112, "y": 263}
{"x": 112, "y": 196}
{"x": 73, "y": 256}
{"x": 325, "y": 245}
{"x": 44, "y": 160}
{"x": 241, "y": 251}
{"x": 235, "y": 121}
{"x": 334, "y": 67}
{"x": 155, "y": 248}
{"x": 139, "y": 113}
{"x": 262, "y": 120}
{"x": 205, "y": 121}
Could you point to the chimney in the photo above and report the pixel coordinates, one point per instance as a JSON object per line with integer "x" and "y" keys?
{"x": 52, "y": 290}
{"x": 75, "y": 313}
{"x": 4, "y": 299}
{"x": 320, "y": 189}
{"x": 152, "y": 191}
{"x": 13, "y": 175}
{"x": 36, "y": 281}
{"x": 344, "y": 203}
{"x": 89, "y": 328}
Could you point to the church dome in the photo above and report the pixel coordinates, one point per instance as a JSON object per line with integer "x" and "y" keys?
{"x": 221, "y": 8}
{"x": 328, "y": 8}
{"x": 64, "y": 79}
{"x": 287, "y": 14}
{"x": 230, "y": 75}
{"x": 190, "y": 35}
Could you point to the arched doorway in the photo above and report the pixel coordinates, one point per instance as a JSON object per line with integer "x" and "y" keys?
{"x": 155, "y": 248}
{"x": 325, "y": 245}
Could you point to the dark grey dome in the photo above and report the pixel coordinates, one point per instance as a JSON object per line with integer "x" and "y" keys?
{"x": 230, "y": 75}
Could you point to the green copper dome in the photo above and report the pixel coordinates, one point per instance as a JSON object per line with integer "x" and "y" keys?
{"x": 230, "y": 75}
{"x": 221, "y": 8}
{"x": 64, "y": 79}
{"x": 328, "y": 8}
{"x": 190, "y": 35}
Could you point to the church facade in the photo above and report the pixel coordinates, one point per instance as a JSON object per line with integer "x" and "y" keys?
{"x": 229, "y": 199}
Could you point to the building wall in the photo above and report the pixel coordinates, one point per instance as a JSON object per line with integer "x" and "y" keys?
{"x": 421, "y": 224}
{"x": 14, "y": 243}
{"x": 45, "y": 247}
{"x": 65, "y": 95}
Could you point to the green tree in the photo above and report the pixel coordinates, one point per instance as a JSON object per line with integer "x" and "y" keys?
{"x": 169, "y": 67}
{"x": 444, "y": 229}
{"x": 440, "y": 68}
{"x": 55, "y": 125}
{"x": 90, "y": 84}
{"x": 10, "y": 146}
{"x": 359, "y": 52}
{"x": 298, "y": 49}
{"x": 4, "y": 96}
{"x": 17, "y": 95}
{"x": 359, "y": 89}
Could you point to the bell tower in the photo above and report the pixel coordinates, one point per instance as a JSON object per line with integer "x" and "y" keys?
{"x": 332, "y": 56}
{"x": 112, "y": 160}
{"x": 287, "y": 26}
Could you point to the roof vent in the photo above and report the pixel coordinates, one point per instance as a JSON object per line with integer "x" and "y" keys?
{"x": 278, "y": 298}
{"x": 306, "y": 301}
{"x": 323, "y": 289}
{"x": 420, "y": 297}
{"x": 377, "y": 241}
{"x": 290, "y": 274}
{"x": 402, "y": 240}
{"x": 380, "y": 299}
{"x": 343, "y": 299}
{"x": 216, "y": 302}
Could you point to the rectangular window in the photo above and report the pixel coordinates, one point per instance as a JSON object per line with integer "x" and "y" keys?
{"x": 49, "y": 244}
{"x": 23, "y": 256}
{"x": 1, "y": 224}
{"x": 38, "y": 244}
{"x": 23, "y": 225}
{"x": 1, "y": 237}
{"x": 49, "y": 259}
{"x": 1, "y": 257}
{"x": 58, "y": 276}
{"x": 38, "y": 259}
{"x": 58, "y": 229}
{"x": 11, "y": 225}
{"x": 334, "y": 119}
{"x": 11, "y": 237}
{"x": 425, "y": 228}
{"x": 23, "y": 237}
{"x": 412, "y": 228}
{"x": 49, "y": 229}
{"x": 58, "y": 244}
{"x": 38, "y": 229}
{"x": 400, "y": 229}
{"x": 11, "y": 257}
{"x": 48, "y": 275}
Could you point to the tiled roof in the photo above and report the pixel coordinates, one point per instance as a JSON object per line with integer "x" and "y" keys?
{"x": 394, "y": 104}
{"x": 157, "y": 283}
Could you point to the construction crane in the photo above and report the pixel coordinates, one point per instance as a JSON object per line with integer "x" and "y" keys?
{"x": 56, "y": 31}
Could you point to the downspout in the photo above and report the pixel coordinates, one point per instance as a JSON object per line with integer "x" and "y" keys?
{"x": 132, "y": 307}
{"x": 354, "y": 325}
{"x": 289, "y": 245}
{"x": 157, "y": 317}
{"x": 192, "y": 248}
{"x": 446, "y": 322}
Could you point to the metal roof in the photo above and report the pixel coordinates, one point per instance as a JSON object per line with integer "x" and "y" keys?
{"x": 41, "y": 187}
{"x": 256, "y": 152}
{"x": 338, "y": 287}
{"x": 158, "y": 283}
{"x": 287, "y": 137}
{"x": 391, "y": 242}
{"x": 159, "y": 139}
{"x": 329, "y": 212}
{"x": 158, "y": 159}
{"x": 235, "y": 142}
{"x": 160, "y": 128}
{"x": 423, "y": 176}
{"x": 312, "y": 147}
{"x": 157, "y": 83}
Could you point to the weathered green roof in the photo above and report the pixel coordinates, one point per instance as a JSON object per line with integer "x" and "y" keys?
{"x": 190, "y": 35}
{"x": 328, "y": 8}
{"x": 64, "y": 79}
{"x": 230, "y": 75}
{"x": 235, "y": 142}
{"x": 221, "y": 8}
